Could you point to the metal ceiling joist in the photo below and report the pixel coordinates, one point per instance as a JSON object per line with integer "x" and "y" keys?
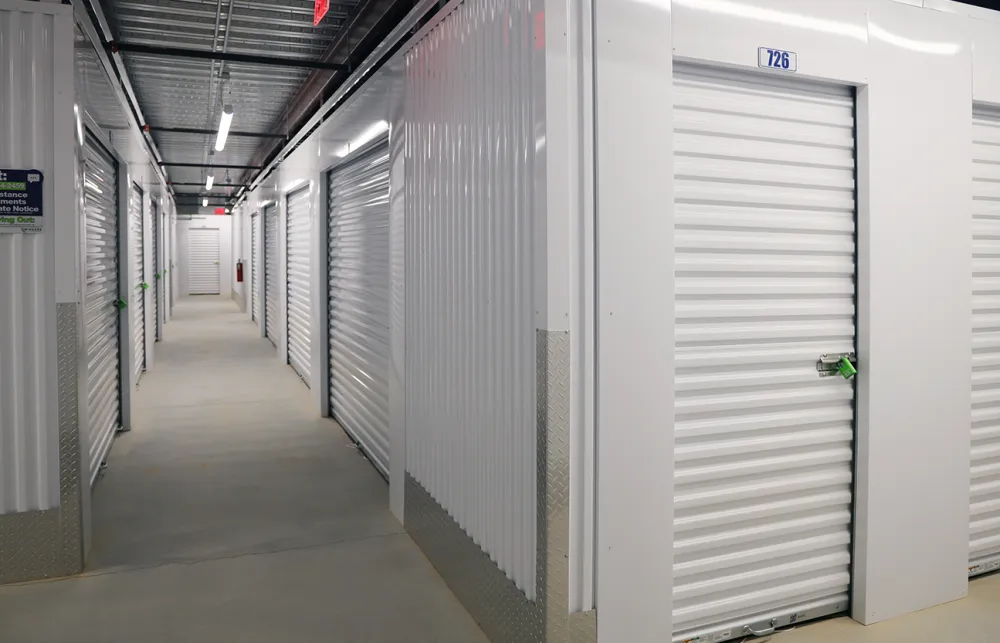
{"x": 210, "y": 165}
{"x": 177, "y": 52}
{"x": 90, "y": 16}
{"x": 211, "y": 132}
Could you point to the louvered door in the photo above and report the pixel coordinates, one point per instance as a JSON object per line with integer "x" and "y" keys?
{"x": 297, "y": 291}
{"x": 765, "y": 284}
{"x": 359, "y": 301}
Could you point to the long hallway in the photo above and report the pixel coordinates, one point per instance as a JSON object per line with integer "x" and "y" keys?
{"x": 232, "y": 513}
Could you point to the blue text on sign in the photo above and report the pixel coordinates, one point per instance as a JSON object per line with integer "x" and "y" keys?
{"x": 777, "y": 59}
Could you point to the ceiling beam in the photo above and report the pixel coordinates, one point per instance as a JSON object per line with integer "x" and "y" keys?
{"x": 218, "y": 185}
{"x": 210, "y": 132}
{"x": 178, "y": 52}
{"x": 211, "y": 166}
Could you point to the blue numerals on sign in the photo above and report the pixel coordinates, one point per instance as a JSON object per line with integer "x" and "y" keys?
{"x": 777, "y": 59}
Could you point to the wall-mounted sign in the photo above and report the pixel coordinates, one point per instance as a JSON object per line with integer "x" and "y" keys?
{"x": 20, "y": 201}
{"x": 777, "y": 59}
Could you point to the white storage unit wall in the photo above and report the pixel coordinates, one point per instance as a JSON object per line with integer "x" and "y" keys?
{"x": 254, "y": 268}
{"x": 138, "y": 303}
{"x": 358, "y": 247}
{"x": 204, "y": 259}
{"x": 765, "y": 284}
{"x": 297, "y": 292}
{"x": 984, "y": 528}
{"x": 271, "y": 274}
{"x": 101, "y": 303}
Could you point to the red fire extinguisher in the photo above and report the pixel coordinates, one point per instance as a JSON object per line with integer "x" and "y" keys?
{"x": 239, "y": 271}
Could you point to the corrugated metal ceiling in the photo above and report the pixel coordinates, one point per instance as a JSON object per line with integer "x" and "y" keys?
{"x": 187, "y": 93}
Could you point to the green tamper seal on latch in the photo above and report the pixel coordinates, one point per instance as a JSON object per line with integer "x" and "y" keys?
{"x": 846, "y": 369}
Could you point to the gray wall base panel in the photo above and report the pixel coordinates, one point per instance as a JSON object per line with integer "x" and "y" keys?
{"x": 46, "y": 544}
{"x": 502, "y": 610}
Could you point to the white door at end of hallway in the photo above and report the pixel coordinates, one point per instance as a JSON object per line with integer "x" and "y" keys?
{"x": 984, "y": 492}
{"x": 271, "y": 273}
{"x": 359, "y": 282}
{"x": 764, "y": 307}
{"x": 204, "y": 261}
{"x": 254, "y": 270}
{"x": 297, "y": 291}
{"x": 135, "y": 216}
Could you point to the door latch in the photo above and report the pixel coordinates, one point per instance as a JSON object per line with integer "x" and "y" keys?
{"x": 843, "y": 364}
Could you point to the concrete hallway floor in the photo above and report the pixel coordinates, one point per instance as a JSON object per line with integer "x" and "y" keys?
{"x": 231, "y": 512}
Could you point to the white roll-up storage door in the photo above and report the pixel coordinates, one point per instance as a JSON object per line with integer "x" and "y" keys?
{"x": 271, "y": 273}
{"x": 155, "y": 218}
{"x": 254, "y": 270}
{"x": 765, "y": 284}
{"x": 297, "y": 242}
{"x": 984, "y": 512}
{"x": 203, "y": 261}
{"x": 359, "y": 301}
{"x": 139, "y": 271}
{"x": 101, "y": 301}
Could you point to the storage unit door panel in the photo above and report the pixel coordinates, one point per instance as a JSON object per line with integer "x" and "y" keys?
{"x": 765, "y": 284}
{"x": 271, "y": 273}
{"x": 299, "y": 302}
{"x": 203, "y": 261}
{"x": 984, "y": 528}
{"x": 359, "y": 301}
{"x": 156, "y": 271}
{"x": 101, "y": 314}
{"x": 254, "y": 272}
{"x": 139, "y": 270}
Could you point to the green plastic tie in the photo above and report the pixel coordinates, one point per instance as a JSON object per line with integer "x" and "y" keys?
{"x": 144, "y": 285}
{"x": 121, "y": 303}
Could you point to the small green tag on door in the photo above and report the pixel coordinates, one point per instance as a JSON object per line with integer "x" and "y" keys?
{"x": 846, "y": 369}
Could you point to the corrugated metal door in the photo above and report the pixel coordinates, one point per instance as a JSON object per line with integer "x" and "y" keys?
{"x": 765, "y": 284}
{"x": 203, "y": 261}
{"x": 359, "y": 301}
{"x": 984, "y": 528}
{"x": 271, "y": 273}
{"x": 297, "y": 242}
{"x": 254, "y": 272}
{"x": 101, "y": 316}
{"x": 139, "y": 270}
{"x": 155, "y": 217}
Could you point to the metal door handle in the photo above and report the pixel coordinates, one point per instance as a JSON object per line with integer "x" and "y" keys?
{"x": 749, "y": 631}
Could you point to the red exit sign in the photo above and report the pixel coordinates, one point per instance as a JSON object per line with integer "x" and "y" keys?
{"x": 220, "y": 210}
{"x": 319, "y": 10}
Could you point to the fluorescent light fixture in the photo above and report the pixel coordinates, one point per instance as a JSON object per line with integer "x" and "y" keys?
{"x": 210, "y": 182}
{"x": 365, "y": 137}
{"x": 204, "y": 202}
{"x": 224, "y": 123}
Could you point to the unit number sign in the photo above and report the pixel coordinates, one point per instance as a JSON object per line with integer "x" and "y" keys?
{"x": 777, "y": 59}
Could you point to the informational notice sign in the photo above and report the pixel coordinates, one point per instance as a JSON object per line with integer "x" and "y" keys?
{"x": 20, "y": 201}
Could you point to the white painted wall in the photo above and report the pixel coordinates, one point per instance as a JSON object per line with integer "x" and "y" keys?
{"x": 227, "y": 264}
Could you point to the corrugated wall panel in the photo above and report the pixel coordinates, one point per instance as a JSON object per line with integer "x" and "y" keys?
{"x": 138, "y": 260}
{"x": 470, "y": 330}
{"x": 29, "y": 476}
{"x": 984, "y": 527}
